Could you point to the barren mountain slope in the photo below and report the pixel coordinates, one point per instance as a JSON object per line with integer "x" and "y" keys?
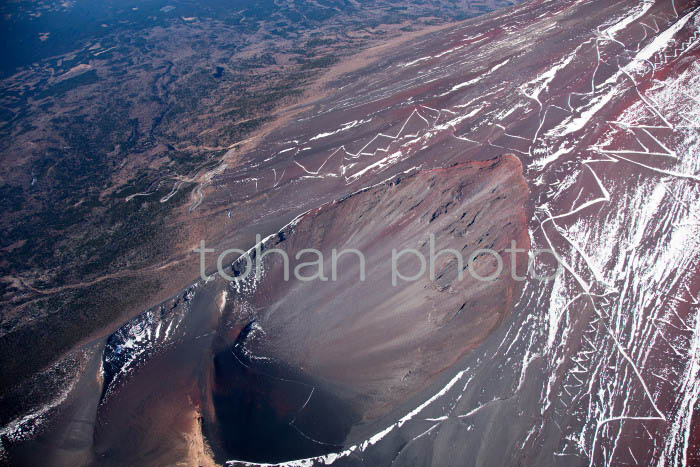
{"x": 600, "y": 366}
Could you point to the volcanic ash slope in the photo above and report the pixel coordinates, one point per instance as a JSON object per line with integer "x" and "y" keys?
{"x": 382, "y": 343}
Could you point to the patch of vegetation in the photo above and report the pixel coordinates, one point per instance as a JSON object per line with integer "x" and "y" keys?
{"x": 317, "y": 42}
{"x": 323, "y": 62}
{"x": 68, "y": 318}
{"x": 62, "y": 87}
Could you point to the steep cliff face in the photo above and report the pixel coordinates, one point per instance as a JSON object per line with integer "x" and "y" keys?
{"x": 381, "y": 294}
{"x": 376, "y": 332}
